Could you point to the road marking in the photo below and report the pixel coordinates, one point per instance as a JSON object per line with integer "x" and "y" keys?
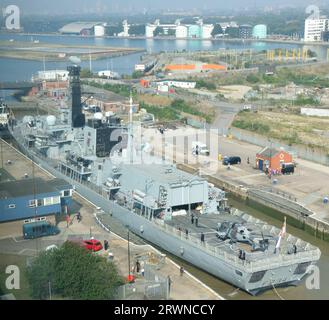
{"x": 22, "y": 251}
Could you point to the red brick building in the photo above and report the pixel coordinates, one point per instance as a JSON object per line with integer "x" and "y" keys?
{"x": 272, "y": 159}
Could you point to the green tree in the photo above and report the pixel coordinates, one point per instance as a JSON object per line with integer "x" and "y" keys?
{"x": 85, "y": 73}
{"x": 217, "y": 30}
{"x": 137, "y": 74}
{"x": 74, "y": 273}
{"x": 252, "y": 78}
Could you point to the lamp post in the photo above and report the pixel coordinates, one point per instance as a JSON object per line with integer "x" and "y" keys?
{"x": 129, "y": 276}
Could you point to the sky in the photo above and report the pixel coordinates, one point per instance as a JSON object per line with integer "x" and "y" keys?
{"x": 128, "y": 6}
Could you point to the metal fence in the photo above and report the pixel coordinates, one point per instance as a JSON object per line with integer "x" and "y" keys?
{"x": 151, "y": 287}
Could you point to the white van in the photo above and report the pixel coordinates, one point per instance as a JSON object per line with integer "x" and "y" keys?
{"x": 200, "y": 148}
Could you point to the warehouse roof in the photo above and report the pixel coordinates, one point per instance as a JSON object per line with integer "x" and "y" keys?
{"x": 77, "y": 27}
{"x": 20, "y": 188}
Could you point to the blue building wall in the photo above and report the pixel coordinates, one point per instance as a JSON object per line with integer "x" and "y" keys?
{"x": 22, "y": 209}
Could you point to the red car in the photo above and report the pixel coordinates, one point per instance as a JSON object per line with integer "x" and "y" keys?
{"x": 92, "y": 245}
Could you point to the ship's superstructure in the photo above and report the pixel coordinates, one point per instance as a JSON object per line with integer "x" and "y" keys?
{"x": 4, "y": 115}
{"x": 179, "y": 212}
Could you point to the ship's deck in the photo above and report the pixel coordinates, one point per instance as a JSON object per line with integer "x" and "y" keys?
{"x": 207, "y": 225}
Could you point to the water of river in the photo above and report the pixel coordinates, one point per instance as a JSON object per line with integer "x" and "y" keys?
{"x": 15, "y": 69}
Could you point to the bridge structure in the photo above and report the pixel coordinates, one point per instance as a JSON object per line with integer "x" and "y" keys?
{"x": 17, "y": 85}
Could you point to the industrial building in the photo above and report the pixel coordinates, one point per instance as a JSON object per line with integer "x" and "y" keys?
{"x": 177, "y": 84}
{"x": 272, "y": 159}
{"x": 245, "y": 31}
{"x": 259, "y": 31}
{"x": 181, "y": 31}
{"x": 83, "y": 29}
{"x": 52, "y": 75}
{"x": 194, "y": 31}
{"x": 29, "y": 198}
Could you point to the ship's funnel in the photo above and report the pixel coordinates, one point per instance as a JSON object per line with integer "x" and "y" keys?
{"x": 78, "y": 118}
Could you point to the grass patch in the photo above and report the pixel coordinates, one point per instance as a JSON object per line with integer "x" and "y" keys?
{"x": 287, "y": 127}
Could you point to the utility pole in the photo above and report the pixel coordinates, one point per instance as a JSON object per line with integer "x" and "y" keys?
{"x": 128, "y": 256}
{"x": 1, "y": 155}
{"x": 49, "y": 287}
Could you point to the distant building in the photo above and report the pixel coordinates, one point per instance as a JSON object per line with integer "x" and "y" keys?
{"x": 259, "y": 31}
{"x": 325, "y": 36}
{"x": 177, "y": 84}
{"x": 18, "y": 201}
{"x": 245, "y": 31}
{"x": 225, "y": 25}
{"x": 272, "y": 159}
{"x": 194, "y": 31}
{"x": 125, "y": 32}
{"x": 206, "y": 31}
{"x": 314, "y": 29}
{"x": 52, "y": 75}
{"x": 99, "y": 31}
{"x": 79, "y": 28}
{"x": 181, "y": 31}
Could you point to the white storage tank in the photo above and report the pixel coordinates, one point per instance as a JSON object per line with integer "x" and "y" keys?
{"x": 207, "y": 30}
{"x": 99, "y": 31}
{"x": 181, "y": 32}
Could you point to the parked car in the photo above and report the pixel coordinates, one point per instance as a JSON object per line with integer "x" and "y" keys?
{"x": 231, "y": 160}
{"x": 287, "y": 168}
{"x": 39, "y": 229}
{"x": 92, "y": 245}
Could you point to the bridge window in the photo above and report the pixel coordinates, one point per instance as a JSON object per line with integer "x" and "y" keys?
{"x": 12, "y": 206}
{"x": 302, "y": 267}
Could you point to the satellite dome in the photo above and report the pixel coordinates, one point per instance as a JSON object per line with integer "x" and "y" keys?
{"x": 51, "y": 120}
{"x": 98, "y": 116}
{"x": 75, "y": 60}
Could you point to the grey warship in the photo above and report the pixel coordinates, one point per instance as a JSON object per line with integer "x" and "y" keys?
{"x": 179, "y": 212}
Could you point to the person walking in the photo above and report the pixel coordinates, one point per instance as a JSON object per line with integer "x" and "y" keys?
{"x": 169, "y": 284}
{"x": 67, "y": 220}
{"x": 186, "y": 233}
{"x": 138, "y": 266}
{"x": 192, "y": 218}
{"x": 181, "y": 271}
{"x": 202, "y": 237}
{"x": 196, "y": 221}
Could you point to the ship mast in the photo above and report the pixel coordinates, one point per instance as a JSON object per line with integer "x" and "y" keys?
{"x": 130, "y": 146}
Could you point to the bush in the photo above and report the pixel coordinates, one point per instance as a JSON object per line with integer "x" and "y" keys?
{"x": 252, "y": 78}
{"x": 205, "y": 84}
